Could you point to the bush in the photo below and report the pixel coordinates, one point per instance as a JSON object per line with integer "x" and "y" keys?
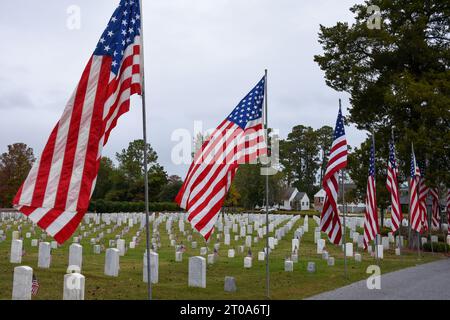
{"x": 105, "y": 206}
{"x": 437, "y": 247}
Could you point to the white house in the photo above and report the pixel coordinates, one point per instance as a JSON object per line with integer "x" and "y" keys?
{"x": 292, "y": 199}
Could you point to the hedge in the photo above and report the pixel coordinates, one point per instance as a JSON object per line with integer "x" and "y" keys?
{"x": 104, "y": 206}
{"x": 437, "y": 247}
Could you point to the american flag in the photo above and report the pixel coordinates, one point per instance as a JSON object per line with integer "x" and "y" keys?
{"x": 448, "y": 211}
{"x": 392, "y": 186}
{"x": 435, "y": 217}
{"x": 56, "y": 193}
{"x": 34, "y": 286}
{"x": 414, "y": 208}
{"x": 329, "y": 221}
{"x": 238, "y": 139}
{"x": 423, "y": 194}
{"x": 371, "y": 228}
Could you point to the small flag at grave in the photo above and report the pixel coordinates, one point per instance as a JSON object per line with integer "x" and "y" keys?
{"x": 56, "y": 192}
{"x": 34, "y": 286}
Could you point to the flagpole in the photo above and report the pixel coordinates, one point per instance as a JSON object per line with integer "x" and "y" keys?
{"x": 343, "y": 214}
{"x": 144, "y": 132}
{"x": 266, "y": 127}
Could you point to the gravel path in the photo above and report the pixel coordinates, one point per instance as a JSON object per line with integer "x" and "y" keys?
{"x": 429, "y": 281}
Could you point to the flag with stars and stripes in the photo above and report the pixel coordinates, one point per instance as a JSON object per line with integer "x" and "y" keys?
{"x": 423, "y": 194}
{"x": 330, "y": 222}
{"x": 435, "y": 210}
{"x": 34, "y": 286}
{"x": 371, "y": 228}
{"x": 238, "y": 139}
{"x": 448, "y": 210}
{"x": 392, "y": 186}
{"x": 414, "y": 207}
{"x": 57, "y": 190}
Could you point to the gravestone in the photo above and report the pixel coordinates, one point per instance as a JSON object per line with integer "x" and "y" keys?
{"x": 194, "y": 244}
{"x": 248, "y": 241}
{"x": 261, "y": 256}
{"x": 358, "y": 257}
{"x": 380, "y": 251}
{"x": 197, "y": 272}
{"x": 22, "y": 283}
{"x": 397, "y": 251}
{"x": 121, "y": 246}
{"x": 112, "y": 262}
{"x": 154, "y": 267}
{"x": 211, "y": 258}
{"x": 330, "y": 261}
{"x": 34, "y": 242}
{"x": 349, "y": 249}
{"x": 227, "y": 239}
{"x": 325, "y": 255}
{"x": 434, "y": 239}
{"x": 97, "y": 249}
{"x": 16, "y": 251}
{"x": 320, "y": 245}
{"x": 54, "y": 245}
{"x": 203, "y": 251}
{"x": 230, "y": 284}
{"x": 132, "y": 245}
{"x": 294, "y": 257}
{"x": 295, "y": 244}
{"x": 247, "y": 262}
{"x": 385, "y": 243}
{"x": 44, "y": 258}
{"x": 73, "y": 286}
{"x": 288, "y": 266}
{"x": 15, "y": 235}
{"x": 75, "y": 255}
{"x": 178, "y": 256}
{"x": 231, "y": 253}
{"x": 311, "y": 267}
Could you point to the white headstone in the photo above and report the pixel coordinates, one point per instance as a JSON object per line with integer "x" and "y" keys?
{"x": 231, "y": 253}
{"x": 380, "y": 251}
{"x": 112, "y": 262}
{"x": 320, "y": 245}
{"x": 178, "y": 256}
{"x": 154, "y": 267}
{"x": 330, "y": 261}
{"x": 44, "y": 258}
{"x": 295, "y": 244}
{"x": 15, "y": 235}
{"x": 349, "y": 249}
{"x": 97, "y": 249}
{"x": 247, "y": 262}
{"x": 75, "y": 255}
{"x": 121, "y": 247}
{"x": 73, "y": 286}
{"x": 358, "y": 257}
{"x": 16, "y": 251}
{"x": 261, "y": 256}
{"x": 34, "y": 242}
{"x": 197, "y": 272}
{"x": 211, "y": 258}
{"x": 227, "y": 239}
{"x": 288, "y": 266}
{"x": 22, "y": 283}
{"x": 203, "y": 251}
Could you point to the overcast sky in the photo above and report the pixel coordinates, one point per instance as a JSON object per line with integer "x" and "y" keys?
{"x": 201, "y": 58}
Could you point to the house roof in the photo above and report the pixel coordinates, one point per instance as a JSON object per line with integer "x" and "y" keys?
{"x": 287, "y": 193}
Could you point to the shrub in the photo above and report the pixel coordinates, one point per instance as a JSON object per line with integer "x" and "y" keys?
{"x": 437, "y": 247}
{"x": 105, "y": 206}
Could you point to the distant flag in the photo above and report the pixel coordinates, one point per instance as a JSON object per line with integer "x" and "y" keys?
{"x": 371, "y": 228}
{"x": 435, "y": 217}
{"x": 414, "y": 209}
{"x": 329, "y": 220}
{"x": 56, "y": 193}
{"x": 238, "y": 139}
{"x": 34, "y": 286}
{"x": 423, "y": 194}
{"x": 392, "y": 186}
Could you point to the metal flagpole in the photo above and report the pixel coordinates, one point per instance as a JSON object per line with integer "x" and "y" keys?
{"x": 266, "y": 127}
{"x": 344, "y": 231}
{"x": 144, "y": 130}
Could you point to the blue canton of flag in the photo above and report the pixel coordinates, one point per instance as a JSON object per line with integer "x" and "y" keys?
{"x": 339, "y": 130}
{"x": 392, "y": 159}
{"x": 123, "y": 26}
{"x": 372, "y": 162}
{"x": 250, "y": 108}
{"x": 415, "y": 171}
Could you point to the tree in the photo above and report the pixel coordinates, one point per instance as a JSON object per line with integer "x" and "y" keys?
{"x": 299, "y": 158}
{"x": 398, "y": 77}
{"x": 14, "y": 167}
{"x": 105, "y": 178}
{"x": 171, "y": 189}
{"x": 325, "y": 137}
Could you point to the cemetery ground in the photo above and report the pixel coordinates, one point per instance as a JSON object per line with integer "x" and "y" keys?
{"x": 173, "y": 276}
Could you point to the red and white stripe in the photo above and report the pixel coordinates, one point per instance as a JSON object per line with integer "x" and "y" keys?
{"x": 371, "y": 227}
{"x": 448, "y": 210}
{"x": 423, "y": 194}
{"x": 56, "y": 193}
{"x": 214, "y": 167}
{"x": 330, "y": 221}
{"x": 415, "y": 217}
{"x": 435, "y": 217}
{"x": 392, "y": 186}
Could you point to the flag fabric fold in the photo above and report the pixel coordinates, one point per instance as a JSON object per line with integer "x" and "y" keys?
{"x": 57, "y": 190}
{"x": 330, "y": 222}
{"x": 414, "y": 190}
{"x": 238, "y": 139}
{"x": 371, "y": 227}
{"x": 392, "y": 186}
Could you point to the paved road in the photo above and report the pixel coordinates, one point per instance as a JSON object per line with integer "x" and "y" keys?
{"x": 424, "y": 282}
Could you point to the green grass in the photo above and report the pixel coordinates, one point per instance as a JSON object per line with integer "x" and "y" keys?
{"x": 173, "y": 276}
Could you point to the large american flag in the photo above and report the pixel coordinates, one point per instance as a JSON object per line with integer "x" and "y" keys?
{"x": 423, "y": 194}
{"x": 329, "y": 220}
{"x": 414, "y": 207}
{"x": 56, "y": 193}
{"x": 238, "y": 139}
{"x": 371, "y": 228}
{"x": 435, "y": 216}
{"x": 392, "y": 186}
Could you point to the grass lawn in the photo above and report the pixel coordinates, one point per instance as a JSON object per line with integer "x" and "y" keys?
{"x": 173, "y": 276}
